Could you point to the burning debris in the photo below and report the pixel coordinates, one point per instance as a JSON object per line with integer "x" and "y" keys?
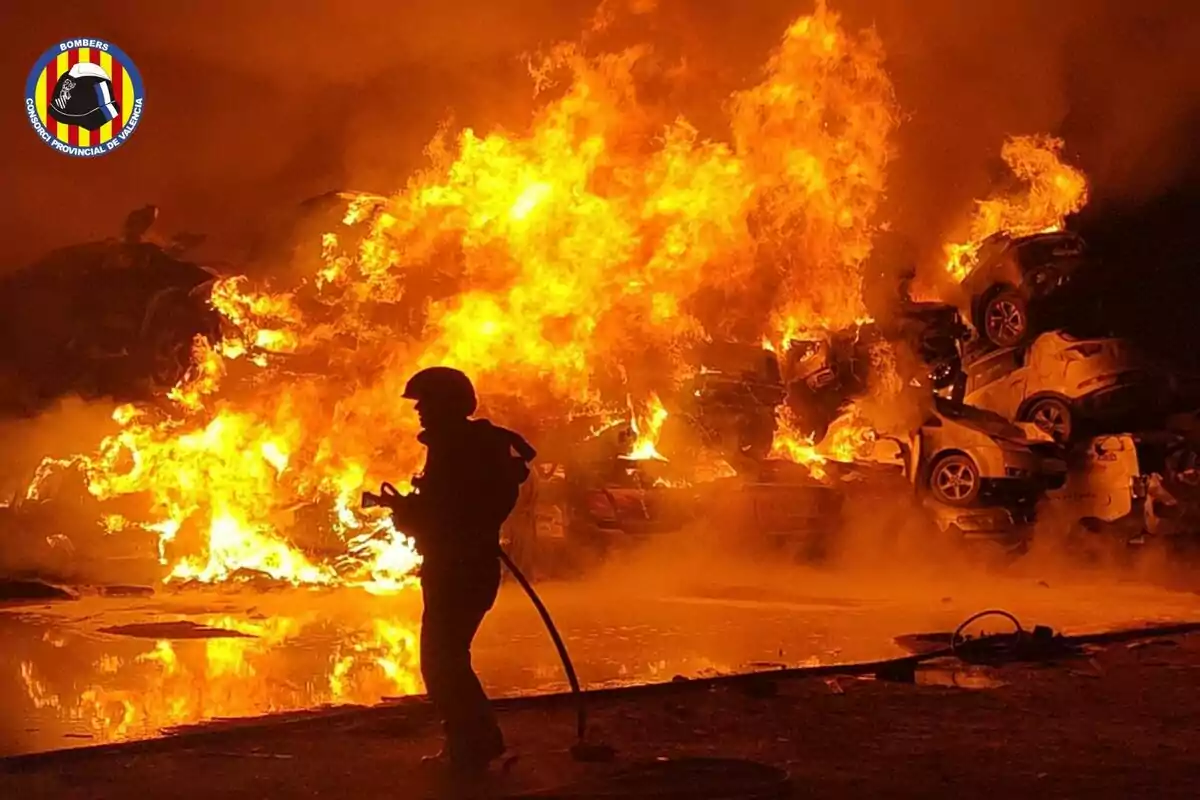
{"x": 569, "y": 266}
{"x": 574, "y": 271}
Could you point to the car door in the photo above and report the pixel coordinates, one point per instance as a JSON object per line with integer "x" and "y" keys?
{"x": 998, "y": 382}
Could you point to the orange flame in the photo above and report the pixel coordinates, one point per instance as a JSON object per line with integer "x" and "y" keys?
{"x": 561, "y": 266}
{"x": 1053, "y": 191}
{"x": 646, "y": 428}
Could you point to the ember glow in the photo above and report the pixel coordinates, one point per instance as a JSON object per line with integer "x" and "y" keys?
{"x": 1050, "y": 191}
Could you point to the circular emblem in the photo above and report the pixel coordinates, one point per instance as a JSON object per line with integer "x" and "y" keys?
{"x": 84, "y": 97}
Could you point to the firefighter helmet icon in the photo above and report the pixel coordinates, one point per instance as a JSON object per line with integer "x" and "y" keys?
{"x": 83, "y": 96}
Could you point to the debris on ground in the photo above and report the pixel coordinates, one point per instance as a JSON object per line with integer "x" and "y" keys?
{"x": 182, "y": 629}
{"x": 17, "y": 589}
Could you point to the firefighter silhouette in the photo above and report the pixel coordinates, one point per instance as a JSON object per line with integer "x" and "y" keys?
{"x": 472, "y": 477}
{"x": 83, "y": 96}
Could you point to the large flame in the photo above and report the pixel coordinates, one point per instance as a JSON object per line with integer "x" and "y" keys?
{"x": 567, "y": 265}
{"x": 1051, "y": 190}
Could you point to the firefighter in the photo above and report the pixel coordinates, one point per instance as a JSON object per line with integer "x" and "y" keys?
{"x": 472, "y": 475}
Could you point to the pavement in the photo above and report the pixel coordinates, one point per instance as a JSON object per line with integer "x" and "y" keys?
{"x": 109, "y": 669}
{"x": 1114, "y": 720}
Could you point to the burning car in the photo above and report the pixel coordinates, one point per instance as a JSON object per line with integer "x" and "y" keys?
{"x": 115, "y": 318}
{"x": 571, "y": 510}
{"x": 1014, "y": 277}
{"x": 824, "y": 371}
{"x": 1059, "y": 380}
{"x": 732, "y": 399}
{"x": 594, "y": 496}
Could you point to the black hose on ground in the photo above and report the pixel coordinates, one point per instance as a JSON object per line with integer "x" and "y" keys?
{"x": 582, "y": 750}
{"x": 956, "y": 637}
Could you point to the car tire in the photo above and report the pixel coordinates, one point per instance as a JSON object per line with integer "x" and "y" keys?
{"x": 954, "y": 480}
{"x": 1051, "y": 415}
{"x": 1004, "y": 320}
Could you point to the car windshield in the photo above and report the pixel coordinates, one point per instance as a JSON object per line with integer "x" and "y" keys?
{"x": 1048, "y": 249}
{"x": 960, "y": 411}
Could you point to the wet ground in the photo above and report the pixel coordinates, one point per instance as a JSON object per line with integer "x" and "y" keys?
{"x": 103, "y": 669}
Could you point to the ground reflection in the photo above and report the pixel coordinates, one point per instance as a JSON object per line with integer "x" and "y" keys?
{"x": 111, "y": 689}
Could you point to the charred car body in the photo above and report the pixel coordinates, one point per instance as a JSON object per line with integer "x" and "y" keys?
{"x": 588, "y": 495}
{"x": 823, "y": 372}
{"x": 1015, "y": 279}
{"x": 578, "y": 508}
{"x": 115, "y": 318}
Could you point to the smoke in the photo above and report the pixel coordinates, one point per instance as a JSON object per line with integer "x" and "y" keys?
{"x": 1112, "y": 78}
{"x": 38, "y": 541}
{"x": 55, "y": 433}
{"x": 252, "y": 107}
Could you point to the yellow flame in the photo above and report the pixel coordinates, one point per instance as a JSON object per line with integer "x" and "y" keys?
{"x": 561, "y": 266}
{"x": 646, "y": 428}
{"x": 1052, "y": 191}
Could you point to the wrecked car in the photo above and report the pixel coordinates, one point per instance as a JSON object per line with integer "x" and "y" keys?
{"x": 1059, "y": 380}
{"x": 732, "y": 398}
{"x": 823, "y": 371}
{"x": 973, "y": 453}
{"x": 594, "y": 500}
{"x": 115, "y": 318}
{"x": 974, "y": 473}
{"x": 1013, "y": 280}
{"x": 1130, "y": 489}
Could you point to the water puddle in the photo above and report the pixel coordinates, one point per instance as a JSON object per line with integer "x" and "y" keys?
{"x": 960, "y": 676}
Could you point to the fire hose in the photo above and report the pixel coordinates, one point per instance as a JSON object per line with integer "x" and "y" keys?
{"x": 582, "y": 750}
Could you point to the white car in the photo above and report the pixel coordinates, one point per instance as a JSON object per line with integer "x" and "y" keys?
{"x": 1057, "y": 379}
{"x": 964, "y": 456}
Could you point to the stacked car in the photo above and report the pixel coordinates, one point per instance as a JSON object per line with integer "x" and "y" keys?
{"x": 1098, "y": 397}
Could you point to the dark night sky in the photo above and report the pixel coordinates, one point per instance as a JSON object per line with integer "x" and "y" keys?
{"x": 252, "y": 107}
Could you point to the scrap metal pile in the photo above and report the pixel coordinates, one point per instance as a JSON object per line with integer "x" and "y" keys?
{"x": 678, "y": 324}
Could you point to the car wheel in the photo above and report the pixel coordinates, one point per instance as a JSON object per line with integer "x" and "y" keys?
{"x": 1051, "y": 415}
{"x": 954, "y": 480}
{"x": 1006, "y": 319}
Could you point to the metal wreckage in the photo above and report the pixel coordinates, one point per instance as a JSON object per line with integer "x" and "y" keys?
{"x": 110, "y": 319}
{"x": 1024, "y": 418}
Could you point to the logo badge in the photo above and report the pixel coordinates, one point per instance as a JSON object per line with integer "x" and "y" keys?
{"x": 84, "y": 97}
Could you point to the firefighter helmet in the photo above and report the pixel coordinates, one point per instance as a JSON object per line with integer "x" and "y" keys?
{"x": 445, "y": 387}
